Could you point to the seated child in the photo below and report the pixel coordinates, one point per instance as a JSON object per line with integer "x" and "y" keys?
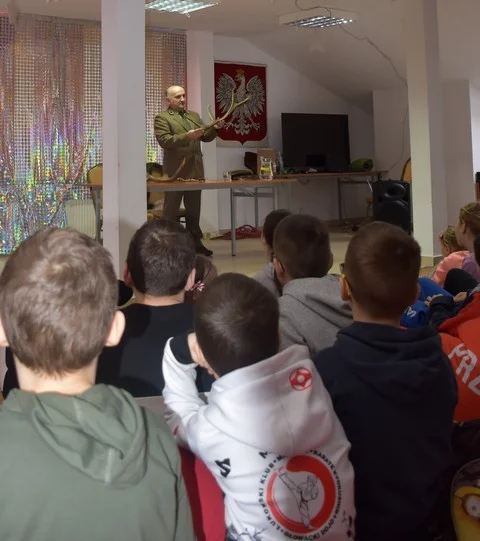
{"x": 268, "y": 433}
{"x": 311, "y": 309}
{"x": 392, "y": 389}
{"x": 84, "y": 461}
{"x": 453, "y": 256}
{"x": 267, "y": 275}
{"x": 205, "y": 273}
{"x": 458, "y": 325}
{"x": 466, "y": 230}
{"x": 160, "y": 269}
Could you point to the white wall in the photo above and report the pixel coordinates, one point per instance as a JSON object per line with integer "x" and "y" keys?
{"x": 461, "y": 110}
{"x": 475, "y": 111}
{"x": 391, "y": 127}
{"x": 290, "y": 92}
{"x": 457, "y": 117}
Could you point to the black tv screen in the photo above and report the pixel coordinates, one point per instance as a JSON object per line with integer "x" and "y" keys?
{"x": 313, "y": 141}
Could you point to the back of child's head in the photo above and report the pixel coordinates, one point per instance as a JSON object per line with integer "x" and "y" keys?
{"x": 160, "y": 258}
{"x": 205, "y": 273}
{"x": 301, "y": 245}
{"x": 236, "y": 323}
{"x": 381, "y": 269}
{"x": 270, "y": 224}
{"x": 470, "y": 217}
{"x": 58, "y": 296}
{"x": 449, "y": 240}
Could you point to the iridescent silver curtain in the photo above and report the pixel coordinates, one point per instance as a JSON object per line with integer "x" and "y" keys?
{"x": 51, "y": 114}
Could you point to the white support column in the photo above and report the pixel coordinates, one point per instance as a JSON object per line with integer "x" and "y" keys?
{"x": 200, "y": 94}
{"x": 426, "y": 123}
{"x": 123, "y": 80}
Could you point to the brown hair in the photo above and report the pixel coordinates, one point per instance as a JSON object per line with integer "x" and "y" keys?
{"x": 270, "y": 224}
{"x": 449, "y": 238}
{"x": 470, "y": 217}
{"x": 301, "y": 244}
{"x": 236, "y": 323}
{"x": 205, "y": 273}
{"x": 160, "y": 258}
{"x": 382, "y": 265}
{"x": 58, "y": 296}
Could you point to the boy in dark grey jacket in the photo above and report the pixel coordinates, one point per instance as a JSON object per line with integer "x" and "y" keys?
{"x": 77, "y": 461}
{"x": 311, "y": 308}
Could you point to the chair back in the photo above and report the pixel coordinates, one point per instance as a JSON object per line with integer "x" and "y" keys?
{"x": 95, "y": 176}
{"x": 407, "y": 171}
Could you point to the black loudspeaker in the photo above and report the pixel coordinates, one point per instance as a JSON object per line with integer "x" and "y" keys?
{"x": 392, "y": 203}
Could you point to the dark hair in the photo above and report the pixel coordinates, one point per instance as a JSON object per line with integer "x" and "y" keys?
{"x": 301, "y": 244}
{"x": 58, "y": 296}
{"x": 382, "y": 265}
{"x": 476, "y": 249}
{"x": 270, "y": 224}
{"x": 160, "y": 258}
{"x": 236, "y": 323}
{"x": 205, "y": 273}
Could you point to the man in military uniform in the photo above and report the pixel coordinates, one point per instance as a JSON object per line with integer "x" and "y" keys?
{"x": 179, "y": 132}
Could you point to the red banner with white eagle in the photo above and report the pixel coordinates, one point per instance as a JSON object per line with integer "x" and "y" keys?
{"x": 248, "y": 124}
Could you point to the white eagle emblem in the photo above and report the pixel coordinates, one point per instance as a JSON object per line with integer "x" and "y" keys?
{"x": 243, "y": 118}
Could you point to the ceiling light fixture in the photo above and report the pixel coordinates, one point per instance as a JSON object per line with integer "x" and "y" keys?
{"x": 180, "y": 6}
{"x": 318, "y": 18}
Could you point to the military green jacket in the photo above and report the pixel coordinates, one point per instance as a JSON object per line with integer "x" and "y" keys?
{"x": 171, "y": 133}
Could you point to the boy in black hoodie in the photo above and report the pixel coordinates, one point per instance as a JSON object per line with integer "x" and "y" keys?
{"x": 393, "y": 390}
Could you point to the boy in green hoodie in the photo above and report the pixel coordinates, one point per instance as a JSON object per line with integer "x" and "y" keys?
{"x": 77, "y": 461}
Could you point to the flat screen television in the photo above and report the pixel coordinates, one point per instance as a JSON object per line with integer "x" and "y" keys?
{"x": 314, "y": 141}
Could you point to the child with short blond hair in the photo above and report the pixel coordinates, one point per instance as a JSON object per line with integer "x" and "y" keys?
{"x": 453, "y": 255}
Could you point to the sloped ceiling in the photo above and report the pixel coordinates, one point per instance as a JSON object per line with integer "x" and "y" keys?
{"x": 331, "y": 57}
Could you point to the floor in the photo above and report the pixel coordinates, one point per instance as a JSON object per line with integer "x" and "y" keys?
{"x": 251, "y": 254}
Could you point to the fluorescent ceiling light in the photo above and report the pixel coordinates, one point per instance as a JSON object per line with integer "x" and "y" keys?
{"x": 180, "y": 6}
{"x": 318, "y": 18}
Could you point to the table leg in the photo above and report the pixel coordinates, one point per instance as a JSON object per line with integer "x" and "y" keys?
{"x": 256, "y": 208}
{"x": 233, "y": 221}
{"x": 275, "y": 197}
{"x": 98, "y": 225}
{"x": 340, "y": 202}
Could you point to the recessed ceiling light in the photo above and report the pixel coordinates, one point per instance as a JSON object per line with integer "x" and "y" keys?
{"x": 318, "y": 18}
{"x": 180, "y": 6}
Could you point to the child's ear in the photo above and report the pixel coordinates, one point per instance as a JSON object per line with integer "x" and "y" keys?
{"x": 127, "y": 277}
{"x": 116, "y": 330}
{"x": 190, "y": 280}
{"x": 197, "y": 355}
{"x": 3, "y": 337}
{"x": 345, "y": 290}
{"x": 279, "y": 270}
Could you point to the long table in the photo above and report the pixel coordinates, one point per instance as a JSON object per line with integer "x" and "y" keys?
{"x": 249, "y": 188}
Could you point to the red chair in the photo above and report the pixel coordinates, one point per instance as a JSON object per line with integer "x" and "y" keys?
{"x": 206, "y": 499}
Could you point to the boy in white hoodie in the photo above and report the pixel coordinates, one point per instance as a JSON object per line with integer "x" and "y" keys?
{"x": 268, "y": 433}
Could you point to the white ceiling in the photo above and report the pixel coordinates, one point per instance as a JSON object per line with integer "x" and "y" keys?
{"x": 331, "y": 57}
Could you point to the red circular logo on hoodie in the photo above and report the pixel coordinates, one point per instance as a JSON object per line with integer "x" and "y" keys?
{"x": 300, "y": 379}
{"x": 302, "y": 495}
